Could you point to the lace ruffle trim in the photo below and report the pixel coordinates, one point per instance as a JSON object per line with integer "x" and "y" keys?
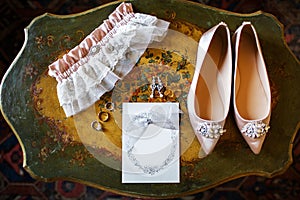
{"x": 63, "y": 67}
{"x": 107, "y": 62}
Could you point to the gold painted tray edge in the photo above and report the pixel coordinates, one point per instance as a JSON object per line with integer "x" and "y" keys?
{"x": 269, "y": 175}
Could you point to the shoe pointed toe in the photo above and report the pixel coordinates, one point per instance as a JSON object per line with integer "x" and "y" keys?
{"x": 207, "y": 144}
{"x": 255, "y": 144}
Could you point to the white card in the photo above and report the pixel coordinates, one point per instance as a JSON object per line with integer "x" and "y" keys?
{"x": 150, "y": 143}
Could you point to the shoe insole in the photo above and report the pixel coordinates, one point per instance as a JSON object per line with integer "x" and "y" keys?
{"x": 251, "y": 98}
{"x": 209, "y": 103}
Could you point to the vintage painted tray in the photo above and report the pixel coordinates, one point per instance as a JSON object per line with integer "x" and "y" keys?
{"x": 56, "y": 147}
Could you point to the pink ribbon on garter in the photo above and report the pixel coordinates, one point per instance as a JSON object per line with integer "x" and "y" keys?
{"x": 69, "y": 63}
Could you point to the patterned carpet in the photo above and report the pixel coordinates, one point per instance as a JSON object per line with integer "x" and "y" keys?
{"x": 16, "y": 183}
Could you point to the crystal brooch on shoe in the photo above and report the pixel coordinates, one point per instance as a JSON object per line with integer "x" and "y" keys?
{"x": 210, "y": 130}
{"x": 255, "y": 129}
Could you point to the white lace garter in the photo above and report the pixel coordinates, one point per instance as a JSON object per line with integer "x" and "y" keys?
{"x": 105, "y": 56}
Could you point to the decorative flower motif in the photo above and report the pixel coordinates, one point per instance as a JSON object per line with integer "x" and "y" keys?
{"x": 255, "y": 129}
{"x": 211, "y": 130}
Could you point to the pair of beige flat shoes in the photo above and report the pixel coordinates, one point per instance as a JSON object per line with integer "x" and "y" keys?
{"x": 210, "y": 92}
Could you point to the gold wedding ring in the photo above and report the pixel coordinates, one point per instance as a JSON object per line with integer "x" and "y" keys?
{"x": 103, "y": 116}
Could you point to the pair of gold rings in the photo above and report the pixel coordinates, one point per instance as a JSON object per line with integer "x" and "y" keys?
{"x": 103, "y": 116}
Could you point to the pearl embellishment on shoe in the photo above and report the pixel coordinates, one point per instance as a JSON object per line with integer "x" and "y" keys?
{"x": 255, "y": 129}
{"x": 210, "y": 130}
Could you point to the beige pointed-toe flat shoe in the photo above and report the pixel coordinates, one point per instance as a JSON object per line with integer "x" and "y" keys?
{"x": 209, "y": 95}
{"x": 251, "y": 95}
